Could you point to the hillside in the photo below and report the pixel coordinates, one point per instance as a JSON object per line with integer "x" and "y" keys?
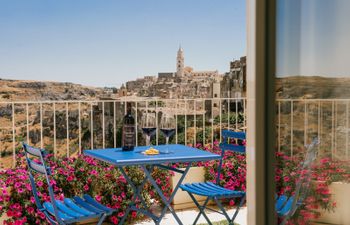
{"x": 312, "y": 87}
{"x": 26, "y": 90}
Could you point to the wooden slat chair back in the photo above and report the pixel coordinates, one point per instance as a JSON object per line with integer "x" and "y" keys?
{"x": 58, "y": 212}
{"x": 226, "y": 145}
{"x": 213, "y": 191}
{"x": 286, "y": 206}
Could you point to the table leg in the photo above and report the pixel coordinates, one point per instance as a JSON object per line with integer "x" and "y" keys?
{"x": 137, "y": 194}
{"x": 166, "y": 201}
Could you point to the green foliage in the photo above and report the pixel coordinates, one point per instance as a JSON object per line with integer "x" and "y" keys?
{"x": 231, "y": 117}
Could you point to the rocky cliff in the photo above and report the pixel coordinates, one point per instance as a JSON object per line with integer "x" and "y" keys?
{"x": 20, "y": 90}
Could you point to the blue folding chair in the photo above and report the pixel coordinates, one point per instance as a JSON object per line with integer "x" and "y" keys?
{"x": 286, "y": 206}
{"x": 213, "y": 191}
{"x": 69, "y": 210}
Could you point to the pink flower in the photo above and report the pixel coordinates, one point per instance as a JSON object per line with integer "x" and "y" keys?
{"x": 286, "y": 179}
{"x": 232, "y": 202}
{"x": 17, "y": 185}
{"x": 288, "y": 188}
{"x": 52, "y": 182}
{"x": 30, "y": 210}
{"x": 133, "y": 214}
{"x": 28, "y": 187}
{"x": 114, "y": 220}
{"x": 94, "y": 172}
{"x": 70, "y": 178}
{"x": 98, "y": 198}
{"x": 40, "y": 183}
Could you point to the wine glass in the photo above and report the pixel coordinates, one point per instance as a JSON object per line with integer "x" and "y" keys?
{"x": 148, "y": 125}
{"x": 167, "y": 127}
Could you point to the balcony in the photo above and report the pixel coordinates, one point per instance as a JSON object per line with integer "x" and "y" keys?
{"x": 65, "y": 128}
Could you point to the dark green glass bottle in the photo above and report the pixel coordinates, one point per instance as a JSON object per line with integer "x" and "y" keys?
{"x": 128, "y": 138}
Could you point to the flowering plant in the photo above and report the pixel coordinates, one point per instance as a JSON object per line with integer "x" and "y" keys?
{"x": 317, "y": 196}
{"x": 74, "y": 176}
{"x": 71, "y": 176}
{"x": 287, "y": 173}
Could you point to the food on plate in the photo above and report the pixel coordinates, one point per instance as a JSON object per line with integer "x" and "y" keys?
{"x": 151, "y": 151}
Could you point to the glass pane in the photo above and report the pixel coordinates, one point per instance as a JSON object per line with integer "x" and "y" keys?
{"x": 312, "y": 114}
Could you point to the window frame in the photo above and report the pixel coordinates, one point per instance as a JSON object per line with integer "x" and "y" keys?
{"x": 261, "y": 20}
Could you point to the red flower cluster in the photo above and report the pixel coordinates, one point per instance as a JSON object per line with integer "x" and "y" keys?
{"x": 72, "y": 176}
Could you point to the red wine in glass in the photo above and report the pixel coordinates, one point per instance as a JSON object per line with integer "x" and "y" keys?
{"x": 168, "y": 132}
{"x": 149, "y": 131}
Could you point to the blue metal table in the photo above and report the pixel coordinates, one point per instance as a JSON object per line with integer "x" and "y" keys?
{"x": 177, "y": 153}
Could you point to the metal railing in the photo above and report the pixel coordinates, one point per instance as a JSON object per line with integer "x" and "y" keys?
{"x": 68, "y": 127}
{"x": 300, "y": 120}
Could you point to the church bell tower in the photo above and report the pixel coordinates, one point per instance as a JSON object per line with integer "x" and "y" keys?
{"x": 180, "y": 61}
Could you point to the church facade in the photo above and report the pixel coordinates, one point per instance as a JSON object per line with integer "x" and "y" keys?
{"x": 182, "y": 71}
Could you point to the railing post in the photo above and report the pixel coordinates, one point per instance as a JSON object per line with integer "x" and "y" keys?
{"x": 157, "y": 130}
{"x": 291, "y": 127}
{"x": 347, "y": 130}
{"x": 79, "y": 124}
{"x": 27, "y": 120}
{"x": 176, "y": 127}
{"x": 136, "y": 121}
{"x": 332, "y": 148}
{"x": 13, "y": 135}
{"x": 236, "y": 114}
{"x": 92, "y": 126}
{"x": 185, "y": 122}
{"x": 212, "y": 123}
{"x": 319, "y": 126}
{"x": 244, "y": 115}
{"x": 220, "y": 118}
{"x": 103, "y": 125}
{"x": 228, "y": 113}
{"x": 305, "y": 122}
{"x": 335, "y": 127}
{"x": 67, "y": 124}
{"x": 114, "y": 125}
{"x": 279, "y": 126}
{"x": 195, "y": 122}
{"x": 204, "y": 122}
{"x": 41, "y": 126}
{"x": 54, "y": 130}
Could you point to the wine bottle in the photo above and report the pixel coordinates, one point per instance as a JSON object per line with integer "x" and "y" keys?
{"x": 128, "y": 138}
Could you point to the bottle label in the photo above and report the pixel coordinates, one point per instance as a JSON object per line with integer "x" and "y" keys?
{"x": 128, "y": 135}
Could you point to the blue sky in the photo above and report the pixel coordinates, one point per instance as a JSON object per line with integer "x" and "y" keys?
{"x": 105, "y": 43}
{"x": 313, "y": 38}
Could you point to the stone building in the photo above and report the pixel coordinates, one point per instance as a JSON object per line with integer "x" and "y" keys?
{"x": 184, "y": 83}
{"x": 233, "y": 84}
{"x": 180, "y": 63}
{"x": 168, "y": 75}
{"x": 122, "y": 91}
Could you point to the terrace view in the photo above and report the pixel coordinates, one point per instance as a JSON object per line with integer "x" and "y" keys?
{"x": 118, "y": 113}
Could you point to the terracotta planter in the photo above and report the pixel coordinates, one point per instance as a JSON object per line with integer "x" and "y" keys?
{"x": 341, "y": 195}
{"x": 182, "y": 200}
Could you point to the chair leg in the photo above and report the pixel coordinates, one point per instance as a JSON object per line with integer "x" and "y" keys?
{"x": 101, "y": 219}
{"x": 238, "y": 208}
{"x": 230, "y": 220}
{"x": 217, "y": 201}
{"x": 201, "y": 209}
